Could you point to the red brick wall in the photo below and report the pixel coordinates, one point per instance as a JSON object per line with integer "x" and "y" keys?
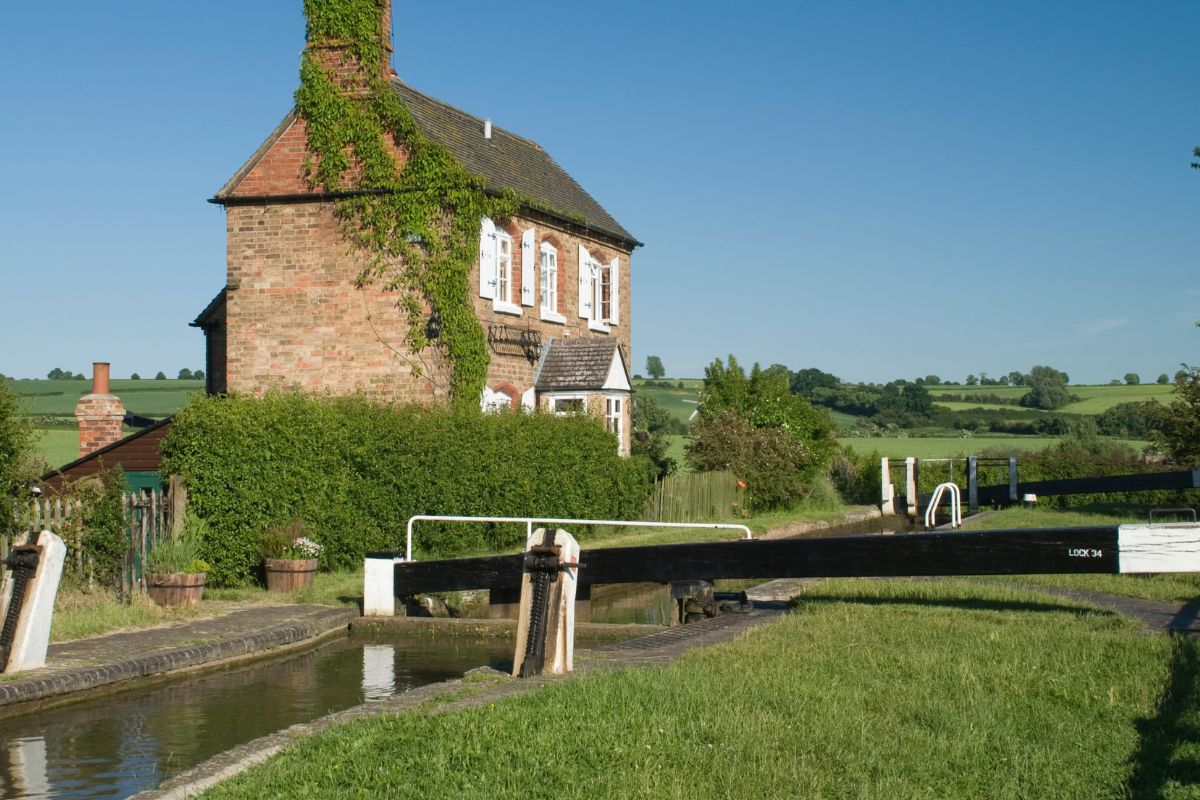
{"x": 100, "y": 417}
{"x": 296, "y": 318}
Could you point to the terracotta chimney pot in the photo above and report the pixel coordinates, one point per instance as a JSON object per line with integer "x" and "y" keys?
{"x": 100, "y": 377}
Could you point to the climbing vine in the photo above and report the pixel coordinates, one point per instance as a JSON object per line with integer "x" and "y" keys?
{"x": 419, "y": 222}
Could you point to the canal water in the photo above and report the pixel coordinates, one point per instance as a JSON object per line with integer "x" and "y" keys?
{"x": 119, "y": 744}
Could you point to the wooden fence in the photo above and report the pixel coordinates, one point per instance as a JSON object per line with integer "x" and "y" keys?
{"x": 149, "y": 516}
{"x": 694, "y": 497}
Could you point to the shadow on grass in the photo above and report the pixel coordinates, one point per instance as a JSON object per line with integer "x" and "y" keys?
{"x": 963, "y": 603}
{"x": 1167, "y": 761}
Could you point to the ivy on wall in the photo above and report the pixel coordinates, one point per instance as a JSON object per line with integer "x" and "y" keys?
{"x": 419, "y": 222}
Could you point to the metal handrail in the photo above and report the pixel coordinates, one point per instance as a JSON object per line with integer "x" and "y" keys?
{"x": 529, "y": 521}
{"x": 955, "y": 505}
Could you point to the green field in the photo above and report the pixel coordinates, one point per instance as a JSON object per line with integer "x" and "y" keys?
{"x": 58, "y": 446}
{"x": 1092, "y": 399}
{"x": 945, "y": 447}
{"x": 149, "y": 398}
{"x": 52, "y": 404}
{"x": 680, "y": 403}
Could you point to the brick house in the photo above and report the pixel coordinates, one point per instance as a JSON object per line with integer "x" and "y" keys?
{"x": 551, "y": 286}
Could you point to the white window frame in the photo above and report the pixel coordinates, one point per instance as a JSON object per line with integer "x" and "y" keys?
{"x": 614, "y": 419}
{"x": 502, "y": 302}
{"x": 548, "y": 283}
{"x": 597, "y": 321}
{"x": 554, "y": 399}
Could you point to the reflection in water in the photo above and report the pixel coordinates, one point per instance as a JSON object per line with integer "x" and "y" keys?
{"x": 120, "y": 744}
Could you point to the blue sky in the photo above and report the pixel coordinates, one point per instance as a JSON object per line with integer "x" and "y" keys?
{"x": 878, "y": 189}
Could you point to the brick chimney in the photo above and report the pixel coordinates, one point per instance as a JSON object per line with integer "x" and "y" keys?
{"x": 100, "y": 413}
{"x": 336, "y": 56}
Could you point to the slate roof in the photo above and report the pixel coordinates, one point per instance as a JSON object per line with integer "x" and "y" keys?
{"x": 575, "y": 364}
{"x": 209, "y": 314}
{"x": 506, "y": 161}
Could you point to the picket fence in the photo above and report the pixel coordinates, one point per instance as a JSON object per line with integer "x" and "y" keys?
{"x": 694, "y": 497}
{"x": 149, "y": 516}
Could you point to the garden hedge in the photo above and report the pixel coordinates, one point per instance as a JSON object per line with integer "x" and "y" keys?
{"x": 356, "y": 470}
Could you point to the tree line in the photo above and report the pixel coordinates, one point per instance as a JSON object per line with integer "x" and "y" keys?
{"x": 185, "y": 374}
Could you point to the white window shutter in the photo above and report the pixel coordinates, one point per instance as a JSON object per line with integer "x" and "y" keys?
{"x": 487, "y": 260}
{"x": 585, "y": 283}
{"x": 614, "y": 273}
{"x": 529, "y": 267}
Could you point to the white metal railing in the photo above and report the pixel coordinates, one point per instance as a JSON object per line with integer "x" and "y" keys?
{"x": 955, "y": 505}
{"x": 529, "y": 522}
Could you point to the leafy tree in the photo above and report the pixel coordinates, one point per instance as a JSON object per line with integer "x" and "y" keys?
{"x": 185, "y": 374}
{"x": 17, "y": 461}
{"x": 654, "y": 367}
{"x": 198, "y": 375}
{"x": 807, "y": 380}
{"x": 932, "y": 380}
{"x": 160, "y": 376}
{"x": 1016, "y": 378}
{"x": 1048, "y": 389}
{"x": 1176, "y": 427}
{"x": 135, "y": 377}
{"x": 1164, "y": 379}
{"x": 972, "y": 380}
{"x": 1132, "y": 379}
{"x": 651, "y": 425}
{"x": 1129, "y": 420}
{"x": 781, "y": 370}
{"x": 57, "y": 374}
{"x": 772, "y": 439}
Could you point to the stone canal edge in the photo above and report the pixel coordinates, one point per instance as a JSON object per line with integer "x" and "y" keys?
{"x": 85, "y": 666}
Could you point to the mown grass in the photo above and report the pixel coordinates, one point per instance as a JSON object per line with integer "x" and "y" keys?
{"x": 1178, "y": 587}
{"x": 873, "y": 690}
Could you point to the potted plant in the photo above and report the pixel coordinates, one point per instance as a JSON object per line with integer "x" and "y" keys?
{"x": 175, "y": 571}
{"x": 290, "y": 557}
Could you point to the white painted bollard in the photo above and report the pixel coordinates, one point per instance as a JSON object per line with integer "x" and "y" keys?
{"x": 559, "y": 639}
{"x": 31, "y": 635}
{"x": 910, "y": 486}
{"x": 887, "y": 504}
{"x": 379, "y": 587}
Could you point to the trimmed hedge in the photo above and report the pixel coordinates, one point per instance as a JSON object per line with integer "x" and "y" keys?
{"x": 357, "y": 470}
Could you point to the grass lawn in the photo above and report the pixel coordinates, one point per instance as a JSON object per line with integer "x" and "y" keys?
{"x": 874, "y": 689}
{"x": 1168, "y": 587}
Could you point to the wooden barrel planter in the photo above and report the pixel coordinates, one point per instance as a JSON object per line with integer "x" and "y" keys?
{"x": 289, "y": 574}
{"x": 176, "y": 588}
